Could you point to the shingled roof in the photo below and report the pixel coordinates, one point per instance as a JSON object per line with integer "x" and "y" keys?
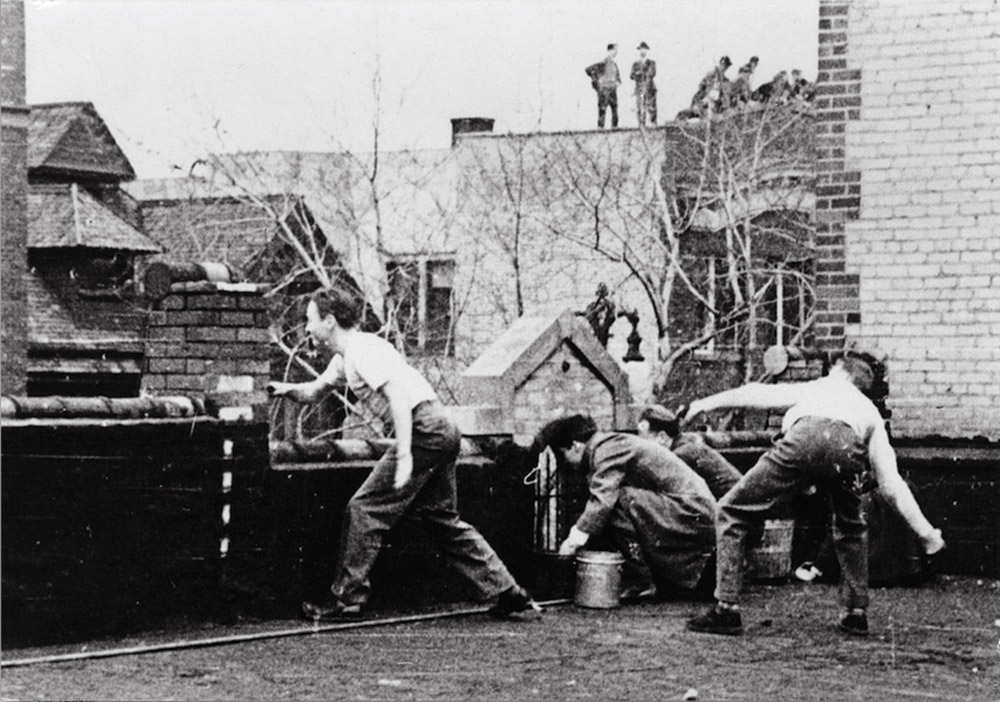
{"x": 67, "y": 216}
{"x": 197, "y": 221}
{"x": 71, "y": 138}
{"x": 55, "y": 323}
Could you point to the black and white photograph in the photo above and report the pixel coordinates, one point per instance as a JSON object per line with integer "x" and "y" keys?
{"x": 500, "y": 350}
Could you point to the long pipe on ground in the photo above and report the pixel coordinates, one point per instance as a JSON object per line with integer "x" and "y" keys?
{"x": 259, "y": 636}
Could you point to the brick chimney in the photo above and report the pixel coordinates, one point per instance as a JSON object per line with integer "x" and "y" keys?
{"x": 470, "y": 125}
{"x": 211, "y": 338}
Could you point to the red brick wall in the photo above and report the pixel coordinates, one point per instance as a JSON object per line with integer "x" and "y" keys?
{"x": 212, "y": 339}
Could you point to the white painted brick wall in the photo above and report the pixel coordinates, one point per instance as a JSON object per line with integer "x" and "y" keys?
{"x": 927, "y": 243}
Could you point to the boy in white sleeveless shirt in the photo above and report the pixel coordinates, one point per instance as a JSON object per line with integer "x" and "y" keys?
{"x": 417, "y": 474}
{"x": 830, "y": 432}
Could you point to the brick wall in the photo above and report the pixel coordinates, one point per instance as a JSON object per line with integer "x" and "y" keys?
{"x": 838, "y": 184}
{"x": 115, "y": 526}
{"x": 562, "y": 385}
{"x": 910, "y": 204}
{"x": 211, "y": 338}
{"x": 13, "y": 200}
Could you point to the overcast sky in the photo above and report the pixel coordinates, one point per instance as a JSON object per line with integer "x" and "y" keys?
{"x": 175, "y": 79}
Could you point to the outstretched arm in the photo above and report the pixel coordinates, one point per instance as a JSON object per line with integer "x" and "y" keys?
{"x": 309, "y": 391}
{"x": 898, "y": 493}
{"x": 759, "y": 395}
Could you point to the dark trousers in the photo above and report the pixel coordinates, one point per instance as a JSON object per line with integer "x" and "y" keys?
{"x": 815, "y": 451}
{"x": 607, "y": 98}
{"x": 430, "y": 495}
{"x": 645, "y": 106}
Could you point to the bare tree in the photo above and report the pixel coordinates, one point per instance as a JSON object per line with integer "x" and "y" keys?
{"x": 375, "y": 220}
{"x": 744, "y": 183}
{"x": 652, "y": 204}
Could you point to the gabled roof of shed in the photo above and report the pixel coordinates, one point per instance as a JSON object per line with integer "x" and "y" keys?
{"x": 71, "y": 137}
{"x": 517, "y": 353}
{"x": 67, "y": 216}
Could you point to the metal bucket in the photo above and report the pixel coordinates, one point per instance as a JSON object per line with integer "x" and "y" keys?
{"x": 772, "y": 558}
{"x": 598, "y": 579}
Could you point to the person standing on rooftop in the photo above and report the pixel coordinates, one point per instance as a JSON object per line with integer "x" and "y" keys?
{"x": 643, "y": 72}
{"x": 605, "y": 79}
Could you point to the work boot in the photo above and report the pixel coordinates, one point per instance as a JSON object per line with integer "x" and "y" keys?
{"x": 514, "y": 603}
{"x": 330, "y": 608}
{"x": 717, "y": 620}
{"x": 854, "y": 623}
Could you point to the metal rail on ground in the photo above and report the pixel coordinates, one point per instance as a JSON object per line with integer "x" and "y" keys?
{"x": 315, "y": 628}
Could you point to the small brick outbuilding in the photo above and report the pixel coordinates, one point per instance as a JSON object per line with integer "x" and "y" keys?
{"x": 544, "y": 366}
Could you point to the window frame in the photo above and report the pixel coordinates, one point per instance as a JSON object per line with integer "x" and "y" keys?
{"x": 780, "y": 275}
{"x": 423, "y": 342}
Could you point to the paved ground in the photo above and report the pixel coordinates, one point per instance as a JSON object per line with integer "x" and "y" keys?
{"x": 939, "y": 641}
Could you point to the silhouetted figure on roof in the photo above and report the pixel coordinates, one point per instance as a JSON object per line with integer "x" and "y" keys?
{"x": 777, "y": 90}
{"x": 605, "y": 79}
{"x": 643, "y": 73}
{"x": 713, "y": 91}
{"x": 801, "y": 88}
{"x": 742, "y": 87}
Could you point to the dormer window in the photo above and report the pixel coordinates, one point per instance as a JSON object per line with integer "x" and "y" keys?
{"x": 104, "y": 275}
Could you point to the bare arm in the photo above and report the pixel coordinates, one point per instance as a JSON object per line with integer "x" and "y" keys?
{"x": 897, "y": 492}
{"x": 759, "y": 395}
{"x": 402, "y": 423}
{"x": 402, "y": 416}
{"x": 309, "y": 391}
